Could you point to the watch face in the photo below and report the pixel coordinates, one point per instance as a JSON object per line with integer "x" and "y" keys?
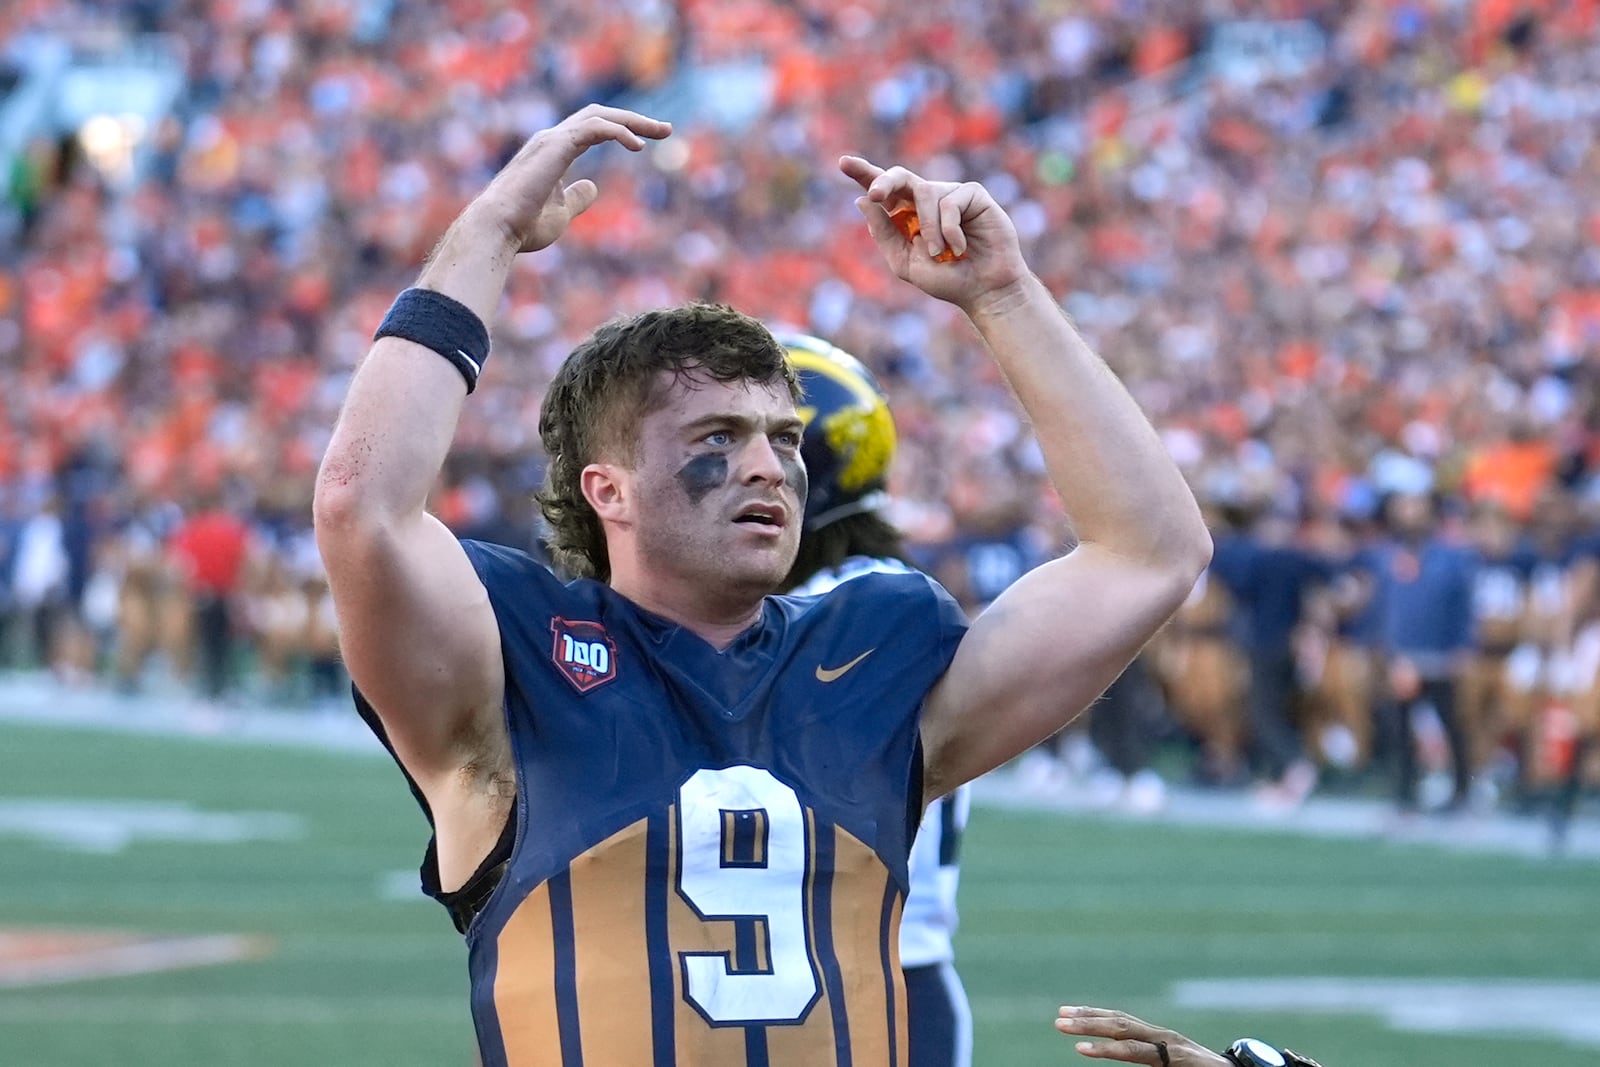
{"x": 1248, "y": 1052}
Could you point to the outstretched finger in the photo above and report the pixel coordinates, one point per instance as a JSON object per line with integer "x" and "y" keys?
{"x": 643, "y": 125}
{"x": 1122, "y": 1051}
{"x": 595, "y": 130}
{"x": 862, "y": 172}
{"x": 1109, "y": 1022}
{"x": 894, "y": 184}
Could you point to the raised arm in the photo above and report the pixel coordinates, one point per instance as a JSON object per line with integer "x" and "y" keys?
{"x": 416, "y": 628}
{"x": 1057, "y": 638}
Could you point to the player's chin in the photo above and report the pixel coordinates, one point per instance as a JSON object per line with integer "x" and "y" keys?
{"x": 766, "y": 562}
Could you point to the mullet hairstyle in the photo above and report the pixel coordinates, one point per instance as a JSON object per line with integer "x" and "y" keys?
{"x": 609, "y": 382}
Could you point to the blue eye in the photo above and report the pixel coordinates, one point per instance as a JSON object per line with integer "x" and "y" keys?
{"x": 719, "y": 438}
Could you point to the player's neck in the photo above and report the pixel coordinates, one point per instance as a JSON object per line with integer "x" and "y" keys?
{"x": 717, "y": 620}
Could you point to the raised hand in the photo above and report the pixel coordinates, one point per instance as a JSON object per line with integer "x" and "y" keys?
{"x": 953, "y": 217}
{"x": 527, "y": 198}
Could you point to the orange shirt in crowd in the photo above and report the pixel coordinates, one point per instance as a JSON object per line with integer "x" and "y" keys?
{"x": 1514, "y": 474}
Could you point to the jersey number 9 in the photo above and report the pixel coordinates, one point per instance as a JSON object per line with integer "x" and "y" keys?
{"x": 744, "y": 858}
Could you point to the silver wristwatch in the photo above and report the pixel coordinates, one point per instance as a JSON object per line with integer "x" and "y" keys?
{"x": 1250, "y": 1052}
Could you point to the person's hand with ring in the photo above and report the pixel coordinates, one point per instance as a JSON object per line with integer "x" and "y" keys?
{"x": 1133, "y": 1040}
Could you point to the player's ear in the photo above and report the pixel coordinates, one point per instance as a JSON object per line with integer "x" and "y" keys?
{"x": 605, "y": 486}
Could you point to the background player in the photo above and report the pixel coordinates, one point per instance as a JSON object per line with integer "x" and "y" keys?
{"x": 848, "y": 447}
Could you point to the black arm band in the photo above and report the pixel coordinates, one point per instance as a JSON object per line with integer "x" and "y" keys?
{"x": 447, "y": 326}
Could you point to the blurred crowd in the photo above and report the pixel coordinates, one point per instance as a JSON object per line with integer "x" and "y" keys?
{"x": 1358, "y": 293}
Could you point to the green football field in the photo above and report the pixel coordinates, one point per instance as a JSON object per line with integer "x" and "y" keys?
{"x": 297, "y": 861}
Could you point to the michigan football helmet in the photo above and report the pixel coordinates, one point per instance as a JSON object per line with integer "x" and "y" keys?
{"x": 849, "y": 436}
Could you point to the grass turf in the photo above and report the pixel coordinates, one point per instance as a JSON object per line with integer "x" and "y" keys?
{"x": 1055, "y": 910}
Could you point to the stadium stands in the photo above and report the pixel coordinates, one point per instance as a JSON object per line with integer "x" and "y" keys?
{"x": 1340, "y": 251}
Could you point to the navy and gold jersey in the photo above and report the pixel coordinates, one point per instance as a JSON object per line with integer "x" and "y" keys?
{"x": 711, "y": 850}
{"x": 929, "y": 919}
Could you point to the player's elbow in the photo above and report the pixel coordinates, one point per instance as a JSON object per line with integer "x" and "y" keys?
{"x": 1172, "y": 545}
{"x": 351, "y": 544}
{"x": 1189, "y": 543}
{"x": 1182, "y": 563}
{"x": 1194, "y": 555}
{"x": 336, "y": 504}
{"x": 345, "y": 510}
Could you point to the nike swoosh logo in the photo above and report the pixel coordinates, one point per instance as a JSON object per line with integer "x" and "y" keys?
{"x": 827, "y": 674}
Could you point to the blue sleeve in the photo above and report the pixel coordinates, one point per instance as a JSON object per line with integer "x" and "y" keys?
{"x": 950, "y": 622}
{"x": 522, "y": 591}
{"x": 918, "y": 619}
{"x": 497, "y": 565}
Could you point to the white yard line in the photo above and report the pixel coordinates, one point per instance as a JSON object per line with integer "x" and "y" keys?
{"x": 1567, "y": 1011}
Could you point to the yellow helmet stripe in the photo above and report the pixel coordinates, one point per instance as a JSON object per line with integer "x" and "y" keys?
{"x": 830, "y": 368}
